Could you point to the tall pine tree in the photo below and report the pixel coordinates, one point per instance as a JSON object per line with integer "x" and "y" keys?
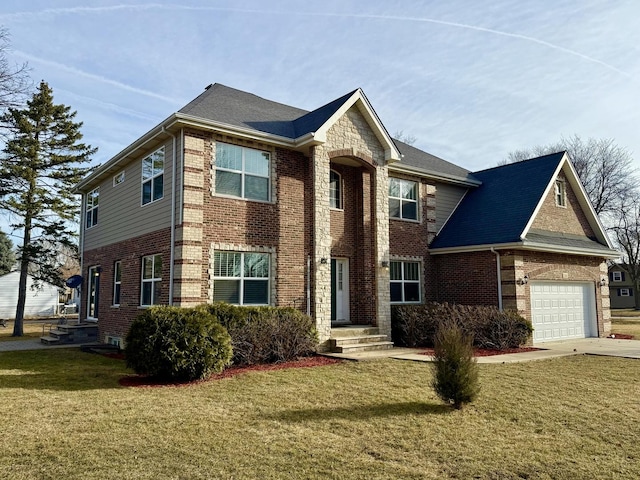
{"x": 42, "y": 160}
{"x": 7, "y": 257}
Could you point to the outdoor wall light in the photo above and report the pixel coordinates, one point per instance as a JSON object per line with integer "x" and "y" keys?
{"x": 385, "y": 264}
{"x": 524, "y": 280}
{"x": 323, "y": 261}
{"x": 603, "y": 282}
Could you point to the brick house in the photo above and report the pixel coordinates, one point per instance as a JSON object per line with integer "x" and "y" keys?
{"x": 238, "y": 198}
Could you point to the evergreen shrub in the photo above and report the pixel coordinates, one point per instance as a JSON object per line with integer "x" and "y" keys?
{"x": 172, "y": 343}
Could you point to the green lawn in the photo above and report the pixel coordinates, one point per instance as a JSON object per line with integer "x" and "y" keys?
{"x": 65, "y": 416}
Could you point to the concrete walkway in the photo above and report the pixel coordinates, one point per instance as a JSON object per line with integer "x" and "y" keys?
{"x": 31, "y": 344}
{"x": 584, "y": 346}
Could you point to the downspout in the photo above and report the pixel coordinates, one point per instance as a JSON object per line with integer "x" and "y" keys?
{"x": 499, "y": 268}
{"x": 173, "y": 217}
{"x": 309, "y": 285}
{"x": 80, "y": 290}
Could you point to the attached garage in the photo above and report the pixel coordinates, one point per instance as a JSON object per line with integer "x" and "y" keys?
{"x": 562, "y": 310}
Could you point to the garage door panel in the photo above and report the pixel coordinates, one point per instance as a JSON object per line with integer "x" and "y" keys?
{"x": 561, "y": 310}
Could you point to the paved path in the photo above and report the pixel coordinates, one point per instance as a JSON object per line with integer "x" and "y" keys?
{"x": 589, "y": 346}
{"x": 31, "y": 344}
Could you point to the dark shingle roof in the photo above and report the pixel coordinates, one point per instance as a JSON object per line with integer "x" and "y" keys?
{"x": 564, "y": 240}
{"x": 415, "y": 157}
{"x": 498, "y": 210}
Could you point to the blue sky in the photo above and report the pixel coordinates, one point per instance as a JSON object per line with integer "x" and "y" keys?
{"x": 470, "y": 80}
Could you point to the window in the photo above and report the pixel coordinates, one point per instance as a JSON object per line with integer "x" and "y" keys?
{"x": 241, "y": 278}
{"x": 617, "y": 276}
{"x": 93, "y": 292}
{"x": 561, "y": 200}
{"x": 625, "y": 292}
{"x": 92, "y": 208}
{"x": 151, "y": 280}
{"x": 403, "y": 199}
{"x": 117, "y": 281}
{"x": 118, "y": 179}
{"x": 405, "y": 282}
{"x": 153, "y": 177}
{"x": 242, "y": 172}
{"x": 335, "y": 190}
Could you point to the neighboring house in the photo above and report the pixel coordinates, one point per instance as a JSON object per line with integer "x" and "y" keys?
{"x": 238, "y": 198}
{"x": 621, "y": 289}
{"x": 41, "y": 302}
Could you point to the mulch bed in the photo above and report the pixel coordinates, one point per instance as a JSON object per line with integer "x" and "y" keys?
{"x": 307, "y": 362}
{"x": 486, "y": 352}
{"x": 621, "y": 336}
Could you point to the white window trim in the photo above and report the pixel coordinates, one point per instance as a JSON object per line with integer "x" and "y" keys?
{"x": 560, "y": 192}
{"x": 340, "y": 199}
{"x": 624, "y": 292}
{"x": 151, "y": 178}
{"x": 91, "y": 206}
{"x": 117, "y": 265}
{"x": 151, "y": 280}
{"x": 243, "y": 173}
{"x": 242, "y": 278}
{"x": 401, "y": 199}
{"x": 118, "y": 178}
{"x": 618, "y": 275}
{"x": 403, "y": 281}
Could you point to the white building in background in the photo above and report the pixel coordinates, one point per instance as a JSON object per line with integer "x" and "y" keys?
{"x": 42, "y": 302}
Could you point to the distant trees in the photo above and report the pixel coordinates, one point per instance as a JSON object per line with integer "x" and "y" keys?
{"x": 14, "y": 79}
{"x": 41, "y": 162}
{"x": 7, "y": 255}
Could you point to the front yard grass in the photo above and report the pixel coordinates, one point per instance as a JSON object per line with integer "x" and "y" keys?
{"x": 628, "y": 326}
{"x": 64, "y": 415}
{"x": 32, "y": 329}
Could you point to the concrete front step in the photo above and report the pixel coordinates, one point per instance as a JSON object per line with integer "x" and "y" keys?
{"x": 71, "y": 334}
{"x": 341, "y": 341}
{"x": 363, "y": 347}
{"x": 354, "y": 331}
{"x": 49, "y": 340}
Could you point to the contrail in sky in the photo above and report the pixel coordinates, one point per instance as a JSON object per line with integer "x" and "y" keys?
{"x": 157, "y": 6}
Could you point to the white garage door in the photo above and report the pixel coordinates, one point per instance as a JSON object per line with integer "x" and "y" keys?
{"x": 562, "y": 310}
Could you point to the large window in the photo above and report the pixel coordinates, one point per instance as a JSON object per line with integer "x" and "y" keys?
{"x": 403, "y": 199}
{"x": 335, "y": 190}
{"x": 241, "y": 278}
{"x": 117, "y": 282}
{"x": 151, "y": 280}
{"x": 92, "y": 208}
{"x": 242, "y": 172}
{"x": 405, "y": 282}
{"x": 153, "y": 177}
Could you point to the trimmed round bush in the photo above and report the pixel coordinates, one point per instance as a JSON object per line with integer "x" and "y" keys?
{"x": 173, "y": 343}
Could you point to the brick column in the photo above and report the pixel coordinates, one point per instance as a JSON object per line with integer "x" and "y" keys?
{"x": 188, "y": 289}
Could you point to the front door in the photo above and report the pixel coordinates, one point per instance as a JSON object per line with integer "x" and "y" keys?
{"x": 340, "y": 290}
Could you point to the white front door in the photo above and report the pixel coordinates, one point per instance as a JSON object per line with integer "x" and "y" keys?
{"x": 340, "y": 290}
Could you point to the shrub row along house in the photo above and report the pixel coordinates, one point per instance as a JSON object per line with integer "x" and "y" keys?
{"x": 249, "y": 201}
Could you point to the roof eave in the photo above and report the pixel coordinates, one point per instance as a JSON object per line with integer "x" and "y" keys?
{"x": 530, "y": 246}
{"x": 454, "y": 179}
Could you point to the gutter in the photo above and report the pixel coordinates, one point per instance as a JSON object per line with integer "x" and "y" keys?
{"x": 499, "y": 276}
{"x": 454, "y": 179}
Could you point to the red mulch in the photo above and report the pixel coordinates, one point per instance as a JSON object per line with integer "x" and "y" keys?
{"x": 621, "y": 336}
{"x": 486, "y": 352}
{"x": 142, "y": 381}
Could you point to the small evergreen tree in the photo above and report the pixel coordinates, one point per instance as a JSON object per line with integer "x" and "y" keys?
{"x": 40, "y": 165}
{"x": 7, "y": 256}
{"x": 455, "y": 369}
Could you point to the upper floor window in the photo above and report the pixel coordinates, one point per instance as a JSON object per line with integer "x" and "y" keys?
{"x": 241, "y": 278}
{"x": 242, "y": 172}
{"x": 403, "y": 199}
{"x": 561, "y": 198}
{"x": 92, "y": 208}
{"x": 118, "y": 179}
{"x": 617, "y": 276}
{"x": 405, "y": 282}
{"x": 153, "y": 177}
{"x": 335, "y": 190}
{"x": 151, "y": 280}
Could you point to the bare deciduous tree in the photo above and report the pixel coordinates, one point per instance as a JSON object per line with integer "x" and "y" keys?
{"x": 626, "y": 232}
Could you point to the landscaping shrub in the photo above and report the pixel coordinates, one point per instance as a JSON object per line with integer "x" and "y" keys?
{"x": 265, "y": 334}
{"x": 172, "y": 343}
{"x": 416, "y": 325}
{"x": 455, "y": 369}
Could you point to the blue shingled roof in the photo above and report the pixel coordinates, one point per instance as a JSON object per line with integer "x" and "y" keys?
{"x": 499, "y": 209}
